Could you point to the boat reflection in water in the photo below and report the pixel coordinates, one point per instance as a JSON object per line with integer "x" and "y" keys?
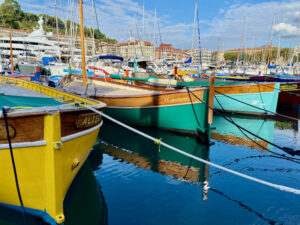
{"x": 125, "y": 145}
{"x": 83, "y": 204}
{"x": 227, "y": 132}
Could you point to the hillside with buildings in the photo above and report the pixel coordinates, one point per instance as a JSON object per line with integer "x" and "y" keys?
{"x": 12, "y": 16}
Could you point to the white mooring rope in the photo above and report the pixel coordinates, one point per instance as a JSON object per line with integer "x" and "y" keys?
{"x": 276, "y": 186}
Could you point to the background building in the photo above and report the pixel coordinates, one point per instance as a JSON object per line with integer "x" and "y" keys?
{"x": 141, "y": 49}
{"x": 206, "y": 55}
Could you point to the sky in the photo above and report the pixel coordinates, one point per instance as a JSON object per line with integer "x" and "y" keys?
{"x": 223, "y": 23}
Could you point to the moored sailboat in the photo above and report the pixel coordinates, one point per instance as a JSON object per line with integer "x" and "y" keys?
{"x": 47, "y": 139}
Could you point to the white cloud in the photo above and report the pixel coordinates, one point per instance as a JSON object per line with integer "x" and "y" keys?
{"x": 259, "y": 19}
{"x": 285, "y": 30}
{"x": 116, "y": 15}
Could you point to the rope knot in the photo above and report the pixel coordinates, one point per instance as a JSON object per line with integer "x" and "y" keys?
{"x": 157, "y": 142}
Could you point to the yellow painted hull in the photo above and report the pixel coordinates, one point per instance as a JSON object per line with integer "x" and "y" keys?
{"x": 183, "y": 73}
{"x": 49, "y": 145}
{"x": 45, "y": 172}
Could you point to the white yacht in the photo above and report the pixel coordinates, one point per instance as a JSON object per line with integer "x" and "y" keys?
{"x": 38, "y": 44}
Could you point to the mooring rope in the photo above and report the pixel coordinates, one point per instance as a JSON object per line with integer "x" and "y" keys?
{"x": 285, "y": 149}
{"x": 255, "y": 142}
{"x": 276, "y": 186}
{"x": 13, "y": 164}
{"x": 262, "y": 109}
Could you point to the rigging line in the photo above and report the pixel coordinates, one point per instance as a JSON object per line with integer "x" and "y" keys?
{"x": 255, "y": 142}
{"x": 240, "y": 203}
{"x": 263, "y": 104}
{"x": 95, "y": 11}
{"x": 159, "y": 34}
{"x": 198, "y": 26}
{"x": 285, "y": 149}
{"x": 276, "y": 186}
{"x": 266, "y": 110}
{"x": 13, "y": 164}
{"x": 140, "y": 44}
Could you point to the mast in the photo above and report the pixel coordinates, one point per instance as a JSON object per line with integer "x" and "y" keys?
{"x": 134, "y": 30}
{"x": 241, "y": 44}
{"x": 218, "y": 53}
{"x": 278, "y": 52}
{"x": 270, "y": 47}
{"x": 194, "y": 29}
{"x": 154, "y": 30}
{"x": 143, "y": 21}
{"x": 11, "y": 55}
{"x": 82, "y": 44}
{"x": 57, "y": 34}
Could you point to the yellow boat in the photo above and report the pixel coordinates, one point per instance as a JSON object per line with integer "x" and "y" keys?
{"x": 51, "y": 138}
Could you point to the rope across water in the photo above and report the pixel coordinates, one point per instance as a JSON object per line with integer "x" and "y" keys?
{"x": 276, "y": 186}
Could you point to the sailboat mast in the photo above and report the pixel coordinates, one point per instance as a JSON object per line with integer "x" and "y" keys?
{"x": 270, "y": 47}
{"x": 134, "y": 30}
{"x": 278, "y": 52}
{"x": 194, "y": 30}
{"x": 11, "y": 55}
{"x": 82, "y": 43}
{"x": 57, "y": 34}
{"x": 154, "y": 31}
{"x": 143, "y": 21}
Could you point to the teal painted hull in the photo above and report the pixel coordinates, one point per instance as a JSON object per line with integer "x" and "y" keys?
{"x": 187, "y": 118}
{"x": 263, "y": 100}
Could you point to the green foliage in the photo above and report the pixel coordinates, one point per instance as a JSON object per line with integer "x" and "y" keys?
{"x": 232, "y": 56}
{"x": 261, "y": 55}
{"x": 13, "y": 17}
{"x": 11, "y": 13}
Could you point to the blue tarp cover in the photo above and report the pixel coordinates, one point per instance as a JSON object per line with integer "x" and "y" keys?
{"x": 111, "y": 57}
{"x": 47, "y": 60}
{"x": 271, "y": 67}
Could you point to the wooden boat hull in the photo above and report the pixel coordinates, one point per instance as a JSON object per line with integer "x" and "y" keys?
{"x": 47, "y": 161}
{"x": 264, "y": 96}
{"x": 179, "y": 112}
{"x": 290, "y": 94}
{"x": 261, "y": 96}
{"x": 50, "y": 144}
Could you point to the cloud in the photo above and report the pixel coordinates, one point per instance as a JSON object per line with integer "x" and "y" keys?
{"x": 259, "y": 19}
{"x": 285, "y": 30}
{"x": 116, "y": 19}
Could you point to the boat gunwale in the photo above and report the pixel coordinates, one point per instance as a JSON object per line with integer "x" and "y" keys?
{"x": 46, "y": 110}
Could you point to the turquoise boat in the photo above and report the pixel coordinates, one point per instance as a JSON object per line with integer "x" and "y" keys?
{"x": 176, "y": 110}
{"x": 241, "y": 98}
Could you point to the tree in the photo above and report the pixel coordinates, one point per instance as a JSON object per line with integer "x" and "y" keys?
{"x": 12, "y": 13}
{"x": 14, "y": 17}
{"x": 230, "y": 56}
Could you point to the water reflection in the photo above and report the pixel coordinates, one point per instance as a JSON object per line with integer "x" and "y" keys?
{"x": 83, "y": 204}
{"x": 125, "y": 145}
{"x": 227, "y": 132}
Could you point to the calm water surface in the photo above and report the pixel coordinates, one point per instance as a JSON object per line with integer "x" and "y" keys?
{"x": 131, "y": 180}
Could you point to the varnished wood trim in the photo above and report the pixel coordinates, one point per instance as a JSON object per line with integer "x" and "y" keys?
{"x": 166, "y": 99}
{"x": 27, "y": 129}
{"x": 79, "y": 134}
{"x": 244, "y": 89}
{"x": 68, "y": 122}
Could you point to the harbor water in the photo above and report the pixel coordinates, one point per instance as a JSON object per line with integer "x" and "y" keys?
{"x": 131, "y": 180}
